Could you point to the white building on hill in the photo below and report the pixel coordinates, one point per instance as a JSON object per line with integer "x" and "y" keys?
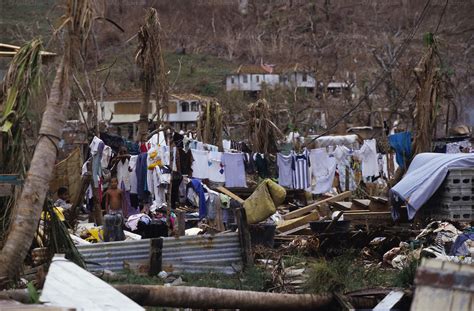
{"x": 251, "y": 77}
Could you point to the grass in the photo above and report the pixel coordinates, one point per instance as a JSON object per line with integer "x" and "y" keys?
{"x": 344, "y": 273}
{"x": 253, "y": 279}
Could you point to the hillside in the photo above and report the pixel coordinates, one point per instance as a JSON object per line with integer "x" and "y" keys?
{"x": 341, "y": 40}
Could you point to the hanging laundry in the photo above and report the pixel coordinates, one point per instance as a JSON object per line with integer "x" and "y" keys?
{"x": 401, "y": 142}
{"x": 185, "y": 162}
{"x": 261, "y": 165}
{"x": 216, "y": 168}
{"x": 300, "y": 166}
{"x": 141, "y": 172}
{"x": 234, "y": 169}
{"x": 322, "y": 170}
{"x": 285, "y": 172}
{"x": 343, "y": 155}
{"x": 368, "y": 156}
{"x": 132, "y": 165}
{"x": 199, "y": 190}
{"x": 123, "y": 173}
{"x": 457, "y": 147}
{"x": 200, "y": 164}
{"x": 106, "y": 156}
{"x": 249, "y": 164}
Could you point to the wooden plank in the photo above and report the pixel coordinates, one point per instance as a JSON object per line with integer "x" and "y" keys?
{"x": 297, "y": 222}
{"x": 389, "y": 301}
{"x": 307, "y": 209}
{"x": 295, "y": 230}
{"x": 361, "y": 203}
{"x": 230, "y": 194}
{"x": 342, "y": 205}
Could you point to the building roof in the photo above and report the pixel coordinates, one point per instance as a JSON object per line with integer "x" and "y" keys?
{"x": 136, "y": 95}
{"x": 271, "y": 69}
{"x": 8, "y": 50}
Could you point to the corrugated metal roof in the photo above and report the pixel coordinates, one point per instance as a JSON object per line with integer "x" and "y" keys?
{"x": 203, "y": 253}
{"x": 68, "y": 285}
{"x": 271, "y": 69}
{"x": 136, "y": 95}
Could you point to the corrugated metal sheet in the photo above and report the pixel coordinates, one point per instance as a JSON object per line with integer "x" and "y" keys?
{"x": 218, "y": 253}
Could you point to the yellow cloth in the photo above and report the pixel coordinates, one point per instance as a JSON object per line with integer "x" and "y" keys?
{"x": 57, "y": 210}
{"x": 264, "y": 201}
{"x": 96, "y": 234}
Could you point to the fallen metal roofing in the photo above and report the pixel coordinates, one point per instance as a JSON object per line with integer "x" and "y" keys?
{"x": 194, "y": 254}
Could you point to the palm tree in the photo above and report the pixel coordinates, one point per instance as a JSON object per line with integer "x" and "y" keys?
{"x": 149, "y": 58}
{"x": 25, "y": 217}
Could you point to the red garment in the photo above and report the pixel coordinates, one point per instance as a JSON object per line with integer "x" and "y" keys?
{"x": 143, "y": 147}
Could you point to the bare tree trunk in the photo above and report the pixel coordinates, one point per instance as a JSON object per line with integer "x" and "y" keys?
{"x": 28, "y": 209}
{"x": 216, "y": 298}
{"x": 143, "y": 122}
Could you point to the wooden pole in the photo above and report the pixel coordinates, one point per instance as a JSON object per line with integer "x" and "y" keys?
{"x": 156, "y": 256}
{"x": 244, "y": 236}
{"x": 216, "y": 298}
{"x": 181, "y": 215}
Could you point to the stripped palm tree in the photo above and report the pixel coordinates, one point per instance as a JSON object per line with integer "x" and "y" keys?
{"x": 149, "y": 58}
{"x": 22, "y": 83}
{"x": 77, "y": 23}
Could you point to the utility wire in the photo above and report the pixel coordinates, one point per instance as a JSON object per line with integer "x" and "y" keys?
{"x": 383, "y": 74}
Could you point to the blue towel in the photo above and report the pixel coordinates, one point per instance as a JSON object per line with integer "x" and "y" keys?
{"x": 199, "y": 189}
{"x": 141, "y": 171}
{"x": 401, "y": 142}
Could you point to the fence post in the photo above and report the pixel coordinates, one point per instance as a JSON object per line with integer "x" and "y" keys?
{"x": 244, "y": 236}
{"x": 156, "y": 256}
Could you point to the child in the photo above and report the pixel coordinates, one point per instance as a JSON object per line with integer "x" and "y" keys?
{"x": 114, "y": 208}
{"x": 63, "y": 198}
{"x": 113, "y": 198}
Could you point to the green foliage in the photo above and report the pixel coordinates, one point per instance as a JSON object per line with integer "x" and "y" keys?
{"x": 428, "y": 39}
{"x": 406, "y": 276}
{"x": 22, "y": 83}
{"x": 254, "y": 278}
{"x": 58, "y": 239}
{"x": 33, "y": 293}
{"x": 344, "y": 273}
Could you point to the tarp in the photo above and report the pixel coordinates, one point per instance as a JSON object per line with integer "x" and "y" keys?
{"x": 264, "y": 201}
{"x": 426, "y": 173}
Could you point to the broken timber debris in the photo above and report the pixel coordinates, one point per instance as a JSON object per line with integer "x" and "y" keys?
{"x": 304, "y": 210}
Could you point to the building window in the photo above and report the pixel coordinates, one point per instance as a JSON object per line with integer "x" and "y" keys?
{"x": 232, "y": 80}
{"x": 283, "y": 79}
{"x": 258, "y": 79}
{"x": 245, "y": 79}
{"x": 305, "y": 77}
{"x": 194, "y": 106}
{"x": 184, "y": 106}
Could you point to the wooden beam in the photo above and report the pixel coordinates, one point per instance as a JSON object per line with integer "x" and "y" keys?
{"x": 156, "y": 256}
{"x": 295, "y": 223}
{"x": 230, "y": 194}
{"x": 296, "y": 230}
{"x": 244, "y": 236}
{"x": 311, "y": 207}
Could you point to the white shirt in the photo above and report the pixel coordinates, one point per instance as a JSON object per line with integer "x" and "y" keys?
{"x": 200, "y": 164}
{"x": 368, "y": 156}
{"x": 216, "y": 168}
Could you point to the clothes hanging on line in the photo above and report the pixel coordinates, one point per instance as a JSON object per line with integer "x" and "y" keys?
{"x": 234, "y": 169}
{"x": 368, "y": 157}
{"x": 216, "y": 168}
{"x": 322, "y": 170}
{"x": 300, "y": 167}
{"x": 285, "y": 171}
